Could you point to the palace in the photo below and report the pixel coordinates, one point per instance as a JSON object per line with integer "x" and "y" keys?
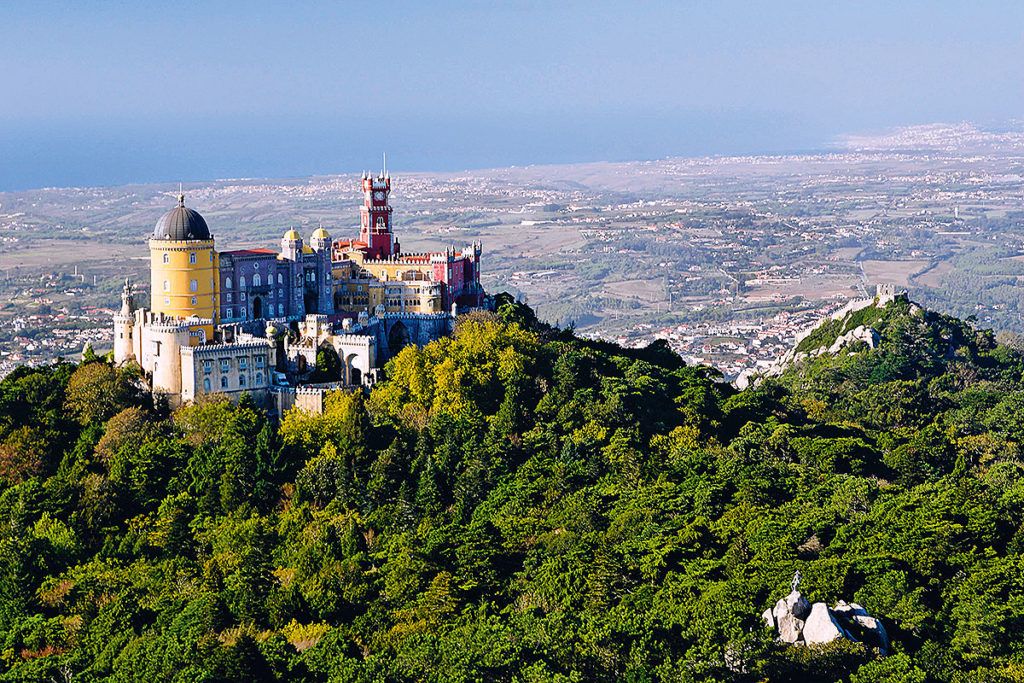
{"x": 254, "y": 320}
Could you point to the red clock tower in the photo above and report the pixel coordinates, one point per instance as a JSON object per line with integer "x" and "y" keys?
{"x": 375, "y": 229}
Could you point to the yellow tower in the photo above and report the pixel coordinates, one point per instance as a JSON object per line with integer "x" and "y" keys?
{"x": 184, "y": 269}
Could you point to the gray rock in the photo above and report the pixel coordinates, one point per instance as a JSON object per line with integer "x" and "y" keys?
{"x": 790, "y": 628}
{"x": 874, "y": 627}
{"x": 780, "y": 610}
{"x": 822, "y": 626}
{"x": 798, "y": 605}
{"x": 842, "y": 610}
{"x": 846, "y": 610}
{"x": 769, "y": 619}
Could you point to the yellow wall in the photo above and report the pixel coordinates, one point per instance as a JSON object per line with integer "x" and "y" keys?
{"x": 372, "y": 277}
{"x": 179, "y": 272}
{"x": 417, "y": 299}
{"x": 394, "y": 269}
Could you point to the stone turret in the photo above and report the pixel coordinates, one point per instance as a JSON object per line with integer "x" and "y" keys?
{"x": 320, "y": 239}
{"x": 291, "y": 245}
{"x": 124, "y": 324}
{"x": 885, "y": 294}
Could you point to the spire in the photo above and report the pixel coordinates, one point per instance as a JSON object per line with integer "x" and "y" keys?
{"x": 127, "y": 299}
{"x": 181, "y": 196}
{"x": 384, "y": 167}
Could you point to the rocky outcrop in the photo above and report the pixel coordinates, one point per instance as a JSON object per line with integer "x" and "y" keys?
{"x": 868, "y": 335}
{"x": 861, "y": 333}
{"x": 799, "y": 622}
{"x": 885, "y": 294}
{"x": 822, "y": 626}
{"x": 862, "y": 625}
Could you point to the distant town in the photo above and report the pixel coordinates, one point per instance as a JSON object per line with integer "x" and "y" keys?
{"x": 726, "y": 258}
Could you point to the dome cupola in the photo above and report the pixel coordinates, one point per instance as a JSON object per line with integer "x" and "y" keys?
{"x": 181, "y": 223}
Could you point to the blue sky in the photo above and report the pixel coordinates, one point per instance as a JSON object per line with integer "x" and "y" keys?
{"x": 103, "y": 93}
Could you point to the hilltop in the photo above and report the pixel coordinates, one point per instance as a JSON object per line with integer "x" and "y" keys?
{"x": 517, "y": 503}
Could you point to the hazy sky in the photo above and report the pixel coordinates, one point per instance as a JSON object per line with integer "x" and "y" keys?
{"x": 110, "y": 92}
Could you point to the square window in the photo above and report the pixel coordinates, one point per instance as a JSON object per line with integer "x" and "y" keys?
{"x": 194, "y": 301}
{"x": 193, "y": 285}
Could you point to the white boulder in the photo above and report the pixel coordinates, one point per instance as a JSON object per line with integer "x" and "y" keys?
{"x": 790, "y": 628}
{"x": 822, "y": 626}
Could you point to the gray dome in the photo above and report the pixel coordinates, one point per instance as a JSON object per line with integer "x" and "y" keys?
{"x": 181, "y": 223}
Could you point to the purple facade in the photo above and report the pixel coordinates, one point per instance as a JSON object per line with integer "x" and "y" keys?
{"x": 260, "y": 283}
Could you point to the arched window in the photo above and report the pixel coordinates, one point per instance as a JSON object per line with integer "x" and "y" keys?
{"x": 206, "y": 384}
{"x": 167, "y": 285}
{"x": 192, "y": 257}
{"x": 241, "y": 281}
{"x": 241, "y": 380}
{"x": 280, "y": 279}
{"x": 227, "y": 283}
{"x": 223, "y": 382}
{"x": 280, "y": 309}
{"x": 257, "y": 280}
{"x": 167, "y": 258}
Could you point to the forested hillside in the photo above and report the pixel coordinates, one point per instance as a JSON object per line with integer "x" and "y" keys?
{"x": 518, "y": 504}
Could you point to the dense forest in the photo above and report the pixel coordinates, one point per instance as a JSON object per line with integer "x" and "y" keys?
{"x": 517, "y": 504}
